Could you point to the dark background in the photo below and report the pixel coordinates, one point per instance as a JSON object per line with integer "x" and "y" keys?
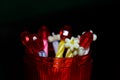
{"x": 17, "y": 16}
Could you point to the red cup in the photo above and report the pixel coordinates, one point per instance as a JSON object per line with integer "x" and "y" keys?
{"x": 45, "y": 68}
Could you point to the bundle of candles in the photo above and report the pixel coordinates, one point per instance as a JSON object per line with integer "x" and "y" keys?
{"x": 62, "y": 45}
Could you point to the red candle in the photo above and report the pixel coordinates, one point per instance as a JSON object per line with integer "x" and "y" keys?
{"x": 25, "y": 38}
{"x": 37, "y": 43}
{"x": 86, "y": 39}
{"x": 26, "y": 41}
{"x": 43, "y": 35}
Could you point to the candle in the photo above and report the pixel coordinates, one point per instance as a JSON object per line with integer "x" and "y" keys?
{"x": 37, "y": 44}
{"x": 85, "y": 42}
{"x": 43, "y": 34}
{"x": 65, "y": 32}
{"x": 26, "y": 41}
{"x": 72, "y": 45}
{"x": 87, "y": 38}
{"x": 54, "y": 39}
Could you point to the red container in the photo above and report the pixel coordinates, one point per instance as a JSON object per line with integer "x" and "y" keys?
{"x": 41, "y": 68}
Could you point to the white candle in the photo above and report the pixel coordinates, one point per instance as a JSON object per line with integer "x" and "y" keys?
{"x": 55, "y": 41}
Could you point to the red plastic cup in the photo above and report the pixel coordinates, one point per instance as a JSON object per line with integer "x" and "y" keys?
{"x": 45, "y": 68}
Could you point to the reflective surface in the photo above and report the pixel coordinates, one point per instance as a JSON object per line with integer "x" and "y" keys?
{"x": 40, "y": 68}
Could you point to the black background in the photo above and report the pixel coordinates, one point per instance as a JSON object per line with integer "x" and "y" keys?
{"x": 81, "y": 18}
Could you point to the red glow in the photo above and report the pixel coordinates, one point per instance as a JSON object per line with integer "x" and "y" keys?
{"x": 27, "y": 38}
{"x": 77, "y": 68}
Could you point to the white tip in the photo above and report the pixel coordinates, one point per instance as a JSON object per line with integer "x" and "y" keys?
{"x": 67, "y": 40}
{"x": 80, "y": 51}
{"x": 75, "y": 53}
{"x": 53, "y": 33}
{"x": 78, "y": 36}
{"x": 83, "y": 32}
{"x": 58, "y": 36}
{"x": 72, "y": 38}
{"x": 50, "y": 38}
{"x": 65, "y": 33}
{"x": 91, "y": 31}
{"x": 34, "y": 38}
{"x": 94, "y": 37}
{"x": 87, "y": 51}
